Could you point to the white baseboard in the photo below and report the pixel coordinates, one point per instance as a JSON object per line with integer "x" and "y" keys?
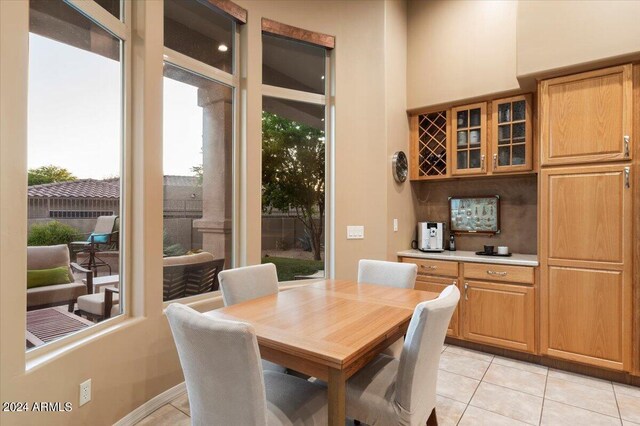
{"x": 152, "y": 405}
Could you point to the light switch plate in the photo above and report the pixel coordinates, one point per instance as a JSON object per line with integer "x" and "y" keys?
{"x": 395, "y": 225}
{"x": 355, "y": 232}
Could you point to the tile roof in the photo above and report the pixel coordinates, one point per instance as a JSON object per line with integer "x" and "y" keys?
{"x": 93, "y": 188}
{"x": 81, "y": 188}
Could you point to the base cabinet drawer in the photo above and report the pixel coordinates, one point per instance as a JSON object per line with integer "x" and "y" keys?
{"x": 434, "y": 267}
{"x": 437, "y": 284}
{"x": 502, "y": 273}
{"x": 499, "y": 314}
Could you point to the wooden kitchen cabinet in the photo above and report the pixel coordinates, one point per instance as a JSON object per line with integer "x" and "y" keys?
{"x": 587, "y": 117}
{"x": 586, "y": 265}
{"x": 503, "y": 273}
{"x": 499, "y": 314}
{"x": 512, "y": 135}
{"x": 429, "y": 146}
{"x": 434, "y": 267}
{"x": 469, "y": 139}
{"x": 437, "y": 284}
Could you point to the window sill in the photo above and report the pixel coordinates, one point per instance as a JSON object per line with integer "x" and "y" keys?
{"x": 50, "y": 351}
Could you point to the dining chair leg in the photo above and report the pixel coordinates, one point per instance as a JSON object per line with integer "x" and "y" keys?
{"x": 433, "y": 419}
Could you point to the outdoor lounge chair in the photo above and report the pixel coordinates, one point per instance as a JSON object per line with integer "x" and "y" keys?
{"x": 105, "y": 235}
{"x": 48, "y": 257}
{"x": 182, "y": 276}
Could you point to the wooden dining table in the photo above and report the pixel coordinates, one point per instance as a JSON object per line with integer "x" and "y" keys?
{"x": 329, "y": 329}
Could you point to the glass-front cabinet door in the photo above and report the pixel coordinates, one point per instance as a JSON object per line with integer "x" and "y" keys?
{"x": 511, "y": 147}
{"x": 469, "y": 143}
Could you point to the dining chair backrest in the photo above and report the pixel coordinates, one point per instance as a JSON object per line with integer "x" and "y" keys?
{"x": 250, "y": 282}
{"x": 392, "y": 274}
{"x": 221, "y": 364}
{"x": 105, "y": 224}
{"x": 418, "y": 368}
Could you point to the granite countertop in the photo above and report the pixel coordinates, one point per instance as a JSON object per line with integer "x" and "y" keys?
{"x": 470, "y": 256}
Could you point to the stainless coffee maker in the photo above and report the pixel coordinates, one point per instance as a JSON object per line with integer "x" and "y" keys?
{"x": 430, "y": 236}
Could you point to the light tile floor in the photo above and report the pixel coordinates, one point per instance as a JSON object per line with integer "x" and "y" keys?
{"x": 475, "y": 388}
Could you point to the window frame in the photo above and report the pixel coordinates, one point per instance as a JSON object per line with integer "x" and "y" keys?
{"x": 328, "y": 101}
{"x": 120, "y": 29}
{"x": 231, "y": 80}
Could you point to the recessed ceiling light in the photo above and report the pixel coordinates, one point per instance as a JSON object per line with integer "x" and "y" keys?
{"x": 322, "y": 78}
{"x": 322, "y": 119}
{"x": 223, "y": 48}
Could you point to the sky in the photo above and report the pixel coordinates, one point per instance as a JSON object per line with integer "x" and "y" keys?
{"x": 74, "y": 114}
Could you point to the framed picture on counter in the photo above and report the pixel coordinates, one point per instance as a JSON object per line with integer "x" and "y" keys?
{"x": 474, "y": 215}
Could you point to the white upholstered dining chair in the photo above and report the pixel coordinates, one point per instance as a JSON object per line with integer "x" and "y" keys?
{"x": 389, "y": 391}
{"x": 247, "y": 283}
{"x": 391, "y": 274}
{"x": 225, "y": 380}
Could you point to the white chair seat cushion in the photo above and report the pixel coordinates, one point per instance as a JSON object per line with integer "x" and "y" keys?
{"x": 294, "y": 401}
{"x": 371, "y": 393}
{"x": 270, "y": 366}
{"x": 94, "y": 303}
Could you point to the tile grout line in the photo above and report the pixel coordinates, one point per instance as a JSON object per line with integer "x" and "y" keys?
{"x": 615, "y": 396}
{"x": 475, "y": 390}
{"x": 585, "y": 409}
{"x": 517, "y": 390}
{"x": 588, "y": 409}
{"x": 544, "y": 397}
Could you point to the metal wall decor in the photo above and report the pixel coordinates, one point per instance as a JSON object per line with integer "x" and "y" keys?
{"x": 479, "y": 215}
{"x": 400, "y": 166}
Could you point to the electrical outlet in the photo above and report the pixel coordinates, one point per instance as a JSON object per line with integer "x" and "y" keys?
{"x": 395, "y": 225}
{"x": 85, "y": 392}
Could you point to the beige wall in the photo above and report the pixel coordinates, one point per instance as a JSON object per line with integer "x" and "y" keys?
{"x": 400, "y": 197}
{"x": 462, "y": 50}
{"x": 133, "y": 359}
{"x": 361, "y": 164}
{"x": 459, "y": 50}
{"x": 554, "y": 35}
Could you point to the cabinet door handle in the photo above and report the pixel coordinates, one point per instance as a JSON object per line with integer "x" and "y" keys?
{"x": 495, "y": 161}
{"x": 482, "y": 162}
{"x": 626, "y": 146}
{"x": 466, "y": 288}
{"x": 499, "y": 274}
{"x": 428, "y": 266}
{"x": 627, "y": 177}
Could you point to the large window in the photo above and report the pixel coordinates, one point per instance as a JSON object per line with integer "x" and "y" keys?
{"x": 293, "y": 157}
{"x": 75, "y": 144}
{"x": 197, "y": 147}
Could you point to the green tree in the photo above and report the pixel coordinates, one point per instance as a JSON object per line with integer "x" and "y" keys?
{"x": 49, "y": 174}
{"x": 293, "y": 173}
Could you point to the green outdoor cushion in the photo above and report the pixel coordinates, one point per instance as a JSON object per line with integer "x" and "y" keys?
{"x": 44, "y": 277}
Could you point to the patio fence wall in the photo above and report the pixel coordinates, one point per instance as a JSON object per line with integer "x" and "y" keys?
{"x": 279, "y": 231}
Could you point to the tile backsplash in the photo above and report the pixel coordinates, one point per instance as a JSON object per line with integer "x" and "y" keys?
{"x": 518, "y": 209}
